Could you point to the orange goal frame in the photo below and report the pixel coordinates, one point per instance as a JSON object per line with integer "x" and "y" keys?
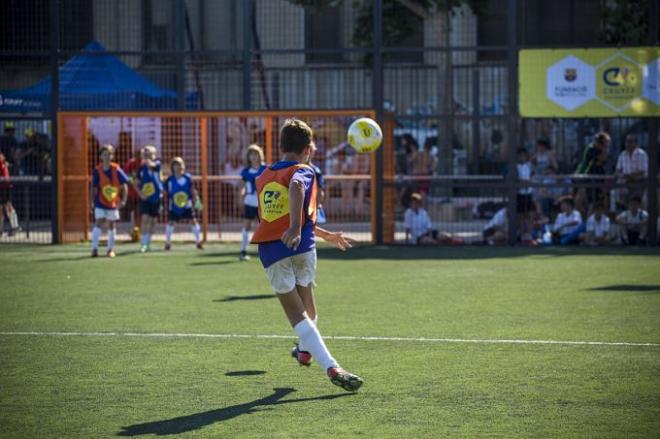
{"x": 74, "y": 179}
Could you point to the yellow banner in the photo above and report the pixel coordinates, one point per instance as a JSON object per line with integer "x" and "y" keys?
{"x": 590, "y": 82}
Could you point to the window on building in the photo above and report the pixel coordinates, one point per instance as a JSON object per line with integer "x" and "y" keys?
{"x": 323, "y": 30}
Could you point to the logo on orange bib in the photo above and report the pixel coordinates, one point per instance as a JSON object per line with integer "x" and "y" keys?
{"x": 109, "y": 192}
{"x": 274, "y": 201}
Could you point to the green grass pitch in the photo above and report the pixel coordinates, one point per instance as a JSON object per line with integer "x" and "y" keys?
{"x": 97, "y": 386}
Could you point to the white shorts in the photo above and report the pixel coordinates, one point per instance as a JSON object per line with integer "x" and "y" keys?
{"x": 286, "y": 273}
{"x": 109, "y": 214}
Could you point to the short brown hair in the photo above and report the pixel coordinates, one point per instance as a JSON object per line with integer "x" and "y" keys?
{"x": 107, "y": 147}
{"x": 295, "y": 136}
{"x": 602, "y": 137}
{"x": 254, "y": 148}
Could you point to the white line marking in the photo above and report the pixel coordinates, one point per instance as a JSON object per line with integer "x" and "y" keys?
{"x": 330, "y": 337}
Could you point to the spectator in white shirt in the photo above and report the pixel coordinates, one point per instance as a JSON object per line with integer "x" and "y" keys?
{"x": 633, "y": 223}
{"x": 598, "y": 227}
{"x": 632, "y": 167}
{"x": 568, "y": 224}
{"x": 419, "y": 228}
{"x": 495, "y": 230}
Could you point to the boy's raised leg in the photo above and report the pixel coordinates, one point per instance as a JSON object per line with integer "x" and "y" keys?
{"x": 309, "y": 335}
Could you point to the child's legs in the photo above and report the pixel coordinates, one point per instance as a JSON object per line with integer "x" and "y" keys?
{"x": 247, "y": 224}
{"x": 307, "y": 296}
{"x": 293, "y": 306}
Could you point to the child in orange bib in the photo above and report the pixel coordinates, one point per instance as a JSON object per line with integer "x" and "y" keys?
{"x": 287, "y": 212}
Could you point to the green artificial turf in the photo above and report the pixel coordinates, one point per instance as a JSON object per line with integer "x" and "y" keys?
{"x": 92, "y": 386}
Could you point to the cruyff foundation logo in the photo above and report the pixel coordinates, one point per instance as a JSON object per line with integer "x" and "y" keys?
{"x": 274, "y": 199}
{"x": 619, "y": 76}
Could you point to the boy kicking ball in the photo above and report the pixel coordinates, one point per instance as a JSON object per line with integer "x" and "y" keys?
{"x": 287, "y": 194}
{"x": 109, "y": 189}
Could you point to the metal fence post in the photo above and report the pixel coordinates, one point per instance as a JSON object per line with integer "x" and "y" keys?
{"x": 54, "y": 106}
{"x": 248, "y": 7}
{"x": 512, "y": 62}
{"x": 377, "y": 87}
{"x": 179, "y": 24}
{"x": 653, "y": 142}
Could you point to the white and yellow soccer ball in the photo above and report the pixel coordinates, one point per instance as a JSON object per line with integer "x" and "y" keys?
{"x": 364, "y": 135}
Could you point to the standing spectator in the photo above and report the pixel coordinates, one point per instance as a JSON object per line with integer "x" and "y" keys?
{"x": 598, "y": 227}
{"x": 320, "y": 183}
{"x": 423, "y": 165}
{"x": 633, "y": 223}
{"x": 568, "y": 224}
{"x": 591, "y": 154}
{"x": 5, "y": 199}
{"x": 594, "y": 162}
{"x": 410, "y": 148}
{"x": 9, "y": 146}
{"x": 632, "y": 167}
{"x": 524, "y": 200}
{"x": 132, "y": 206}
{"x": 544, "y": 160}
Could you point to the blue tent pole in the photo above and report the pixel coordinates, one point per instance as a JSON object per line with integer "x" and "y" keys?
{"x": 54, "y": 105}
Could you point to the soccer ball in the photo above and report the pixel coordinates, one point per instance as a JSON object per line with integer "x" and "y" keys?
{"x": 364, "y": 135}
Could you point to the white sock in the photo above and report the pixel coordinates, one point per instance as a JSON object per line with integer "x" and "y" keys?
{"x": 145, "y": 239}
{"x": 111, "y": 239}
{"x": 13, "y": 219}
{"x": 244, "y": 243}
{"x": 169, "y": 229}
{"x": 301, "y": 344}
{"x": 196, "y": 231}
{"x": 96, "y": 235}
{"x": 311, "y": 338}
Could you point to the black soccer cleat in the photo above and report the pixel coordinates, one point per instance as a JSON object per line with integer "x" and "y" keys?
{"x": 344, "y": 379}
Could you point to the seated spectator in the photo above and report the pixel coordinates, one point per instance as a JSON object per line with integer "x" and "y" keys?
{"x": 419, "y": 229}
{"x": 541, "y": 230}
{"x": 495, "y": 231}
{"x": 568, "y": 224}
{"x": 633, "y": 223}
{"x": 598, "y": 227}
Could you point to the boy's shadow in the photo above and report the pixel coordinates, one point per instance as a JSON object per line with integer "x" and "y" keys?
{"x": 196, "y": 421}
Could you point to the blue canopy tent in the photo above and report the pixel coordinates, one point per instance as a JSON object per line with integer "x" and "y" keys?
{"x": 99, "y": 81}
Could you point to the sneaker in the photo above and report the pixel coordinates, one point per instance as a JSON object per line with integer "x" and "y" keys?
{"x": 111, "y": 253}
{"x": 168, "y": 246}
{"x": 344, "y": 379}
{"x": 244, "y": 257}
{"x": 303, "y": 358}
{"x": 144, "y": 249}
{"x": 95, "y": 253}
{"x": 200, "y": 245}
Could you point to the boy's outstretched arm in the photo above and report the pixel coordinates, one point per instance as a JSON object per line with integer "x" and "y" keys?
{"x": 338, "y": 239}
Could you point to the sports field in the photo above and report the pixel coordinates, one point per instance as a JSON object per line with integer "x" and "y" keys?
{"x": 466, "y": 342}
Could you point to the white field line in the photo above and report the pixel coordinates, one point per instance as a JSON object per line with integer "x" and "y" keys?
{"x": 331, "y": 337}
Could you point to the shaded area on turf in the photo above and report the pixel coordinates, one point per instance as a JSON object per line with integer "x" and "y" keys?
{"x": 240, "y": 373}
{"x": 197, "y": 264}
{"x": 196, "y": 421}
{"x": 476, "y": 252}
{"x": 251, "y": 297}
{"x": 625, "y": 288}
